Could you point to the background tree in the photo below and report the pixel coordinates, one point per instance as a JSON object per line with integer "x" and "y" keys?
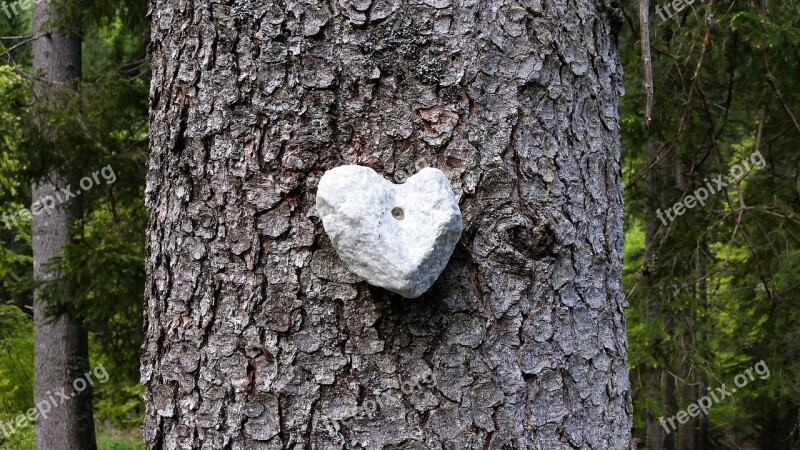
{"x": 61, "y": 345}
{"x": 99, "y": 121}
{"x": 724, "y": 273}
{"x": 259, "y": 337}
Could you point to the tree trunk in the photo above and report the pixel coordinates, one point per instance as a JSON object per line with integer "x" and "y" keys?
{"x": 258, "y": 335}
{"x": 61, "y": 351}
{"x": 692, "y": 434}
{"x": 658, "y": 387}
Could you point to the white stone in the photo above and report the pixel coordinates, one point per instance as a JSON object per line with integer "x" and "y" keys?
{"x": 404, "y": 254}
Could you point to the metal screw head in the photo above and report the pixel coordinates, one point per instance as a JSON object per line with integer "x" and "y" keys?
{"x": 398, "y": 213}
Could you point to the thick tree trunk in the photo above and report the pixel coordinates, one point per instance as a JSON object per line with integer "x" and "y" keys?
{"x": 61, "y": 350}
{"x": 259, "y": 337}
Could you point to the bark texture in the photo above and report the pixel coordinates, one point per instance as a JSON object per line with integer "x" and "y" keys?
{"x": 258, "y": 335}
{"x": 61, "y": 351}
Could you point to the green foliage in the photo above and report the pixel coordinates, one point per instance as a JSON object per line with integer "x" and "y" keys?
{"x": 16, "y": 37}
{"x": 102, "y": 123}
{"x": 718, "y": 289}
{"x": 15, "y": 239}
{"x": 119, "y": 400}
{"x": 103, "y": 278}
{"x": 107, "y": 439}
{"x": 23, "y": 438}
{"x": 16, "y": 360}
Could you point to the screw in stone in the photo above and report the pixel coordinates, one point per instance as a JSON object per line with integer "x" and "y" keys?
{"x": 398, "y": 213}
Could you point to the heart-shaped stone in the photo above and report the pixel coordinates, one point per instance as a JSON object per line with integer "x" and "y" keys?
{"x": 396, "y": 236}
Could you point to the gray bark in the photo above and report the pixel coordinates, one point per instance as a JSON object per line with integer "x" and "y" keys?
{"x": 60, "y": 345}
{"x": 258, "y": 337}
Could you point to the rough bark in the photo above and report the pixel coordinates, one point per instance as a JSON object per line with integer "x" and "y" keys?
{"x": 61, "y": 350}
{"x": 259, "y": 337}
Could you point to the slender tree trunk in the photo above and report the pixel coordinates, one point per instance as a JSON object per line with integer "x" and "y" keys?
{"x": 61, "y": 345}
{"x": 670, "y": 405}
{"x": 658, "y": 383}
{"x": 258, "y": 335}
{"x": 656, "y": 434}
{"x": 692, "y": 434}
